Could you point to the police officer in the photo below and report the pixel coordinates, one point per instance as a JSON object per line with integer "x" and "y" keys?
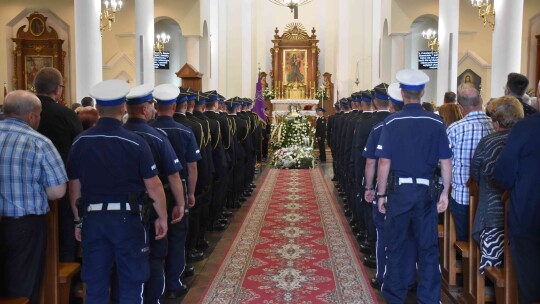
{"x": 240, "y": 133}
{"x": 393, "y": 104}
{"x": 320, "y": 133}
{"x": 330, "y": 136}
{"x": 109, "y": 169}
{"x": 185, "y": 147}
{"x": 412, "y": 143}
{"x": 140, "y": 109}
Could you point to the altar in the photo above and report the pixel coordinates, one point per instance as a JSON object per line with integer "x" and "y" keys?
{"x": 283, "y": 106}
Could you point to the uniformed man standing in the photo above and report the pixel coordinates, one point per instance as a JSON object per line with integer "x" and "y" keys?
{"x": 183, "y": 143}
{"x": 140, "y": 109}
{"x": 412, "y": 143}
{"x": 320, "y": 133}
{"x": 109, "y": 169}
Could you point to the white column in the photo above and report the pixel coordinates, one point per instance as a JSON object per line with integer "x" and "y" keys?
{"x": 506, "y": 49}
{"x": 448, "y": 48}
{"x": 88, "y": 55}
{"x": 248, "y": 82}
{"x": 145, "y": 36}
{"x": 192, "y": 51}
{"x": 398, "y": 54}
{"x": 376, "y": 43}
{"x": 342, "y": 78}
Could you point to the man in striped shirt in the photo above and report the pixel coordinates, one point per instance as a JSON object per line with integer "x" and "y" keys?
{"x": 31, "y": 173}
{"x": 464, "y": 136}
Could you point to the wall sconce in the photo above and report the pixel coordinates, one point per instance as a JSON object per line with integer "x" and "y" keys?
{"x": 108, "y": 16}
{"x": 486, "y": 11}
{"x": 431, "y": 36}
{"x": 161, "y": 40}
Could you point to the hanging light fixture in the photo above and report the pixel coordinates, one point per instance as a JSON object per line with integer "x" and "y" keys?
{"x": 161, "y": 40}
{"x": 108, "y": 16}
{"x": 486, "y": 12}
{"x": 292, "y": 4}
{"x": 431, "y": 36}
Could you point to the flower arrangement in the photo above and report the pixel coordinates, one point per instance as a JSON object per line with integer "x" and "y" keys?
{"x": 292, "y": 131}
{"x": 321, "y": 93}
{"x": 268, "y": 93}
{"x": 294, "y": 157}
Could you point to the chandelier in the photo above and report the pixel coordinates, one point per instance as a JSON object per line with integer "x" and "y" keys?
{"x": 486, "y": 12}
{"x": 108, "y": 16}
{"x": 431, "y": 36}
{"x": 292, "y": 4}
{"x": 161, "y": 40}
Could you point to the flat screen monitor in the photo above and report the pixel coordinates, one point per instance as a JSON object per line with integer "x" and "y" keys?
{"x": 428, "y": 60}
{"x": 161, "y": 60}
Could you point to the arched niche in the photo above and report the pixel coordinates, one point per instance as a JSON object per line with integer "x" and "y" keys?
{"x": 176, "y": 47}
{"x": 415, "y": 43}
{"x": 533, "y": 54}
{"x": 204, "y": 58}
{"x": 386, "y": 54}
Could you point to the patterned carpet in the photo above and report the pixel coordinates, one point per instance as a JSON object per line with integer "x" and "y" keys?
{"x": 292, "y": 248}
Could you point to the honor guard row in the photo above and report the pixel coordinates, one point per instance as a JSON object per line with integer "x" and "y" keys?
{"x": 144, "y": 194}
{"x": 385, "y": 151}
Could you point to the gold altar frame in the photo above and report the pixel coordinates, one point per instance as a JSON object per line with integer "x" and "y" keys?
{"x": 295, "y": 41}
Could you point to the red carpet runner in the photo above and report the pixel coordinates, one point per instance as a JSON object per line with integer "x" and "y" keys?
{"x": 292, "y": 248}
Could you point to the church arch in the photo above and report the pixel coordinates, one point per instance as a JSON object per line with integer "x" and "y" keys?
{"x": 204, "y": 57}
{"x": 177, "y": 48}
{"x": 386, "y": 54}
{"x": 415, "y": 43}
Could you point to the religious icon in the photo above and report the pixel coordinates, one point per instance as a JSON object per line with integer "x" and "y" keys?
{"x": 469, "y": 78}
{"x": 32, "y": 66}
{"x": 295, "y": 65}
{"x": 37, "y": 27}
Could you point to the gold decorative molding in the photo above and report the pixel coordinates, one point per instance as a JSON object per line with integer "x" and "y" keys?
{"x": 295, "y": 31}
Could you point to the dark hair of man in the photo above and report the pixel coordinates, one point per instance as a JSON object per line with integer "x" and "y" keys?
{"x": 397, "y": 107}
{"x": 75, "y": 106}
{"x": 87, "y": 102}
{"x": 164, "y": 107}
{"x": 88, "y": 117}
{"x": 449, "y": 97}
{"x": 416, "y": 95}
{"x": 190, "y": 104}
{"x": 428, "y": 107}
{"x": 211, "y": 104}
{"x": 381, "y": 103}
{"x": 230, "y": 110}
{"x": 517, "y": 84}
{"x": 134, "y": 108}
{"x": 24, "y": 103}
{"x": 469, "y": 97}
{"x": 47, "y": 81}
{"x": 108, "y": 111}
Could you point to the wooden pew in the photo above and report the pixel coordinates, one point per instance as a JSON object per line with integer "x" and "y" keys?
{"x": 506, "y": 289}
{"x": 450, "y": 268}
{"x": 56, "y": 284}
{"x": 14, "y": 301}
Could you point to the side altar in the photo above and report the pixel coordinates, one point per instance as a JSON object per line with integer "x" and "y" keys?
{"x": 305, "y": 107}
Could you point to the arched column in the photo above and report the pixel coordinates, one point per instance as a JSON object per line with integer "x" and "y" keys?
{"x": 506, "y": 49}
{"x": 448, "y": 47}
{"x": 88, "y": 61}
{"x": 144, "y": 30}
{"x": 192, "y": 51}
{"x": 398, "y": 54}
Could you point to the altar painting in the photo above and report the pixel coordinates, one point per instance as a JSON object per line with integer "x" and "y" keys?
{"x": 294, "y": 66}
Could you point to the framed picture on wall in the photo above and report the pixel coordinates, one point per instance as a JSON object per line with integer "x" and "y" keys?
{"x": 295, "y": 66}
{"x": 32, "y": 64}
{"x": 469, "y": 78}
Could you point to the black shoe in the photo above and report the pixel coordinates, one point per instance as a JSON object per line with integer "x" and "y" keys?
{"x": 359, "y": 237}
{"x": 189, "y": 271}
{"x": 375, "y": 283}
{"x": 177, "y": 293}
{"x": 365, "y": 248}
{"x": 252, "y": 186}
{"x": 348, "y": 213}
{"x": 355, "y": 228}
{"x": 236, "y": 205}
{"x": 370, "y": 262}
{"x": 217, "y": 226}
{"x": 223, "y": 221}
{"x": 345, "y": 200}
{"x": 352, "y": 222}
{"x": 195, "y": 256}
{"x": 334, "y": 179}
{"x": 242, "y": 199}
{"x": 226, "y": 213}
{"x": 346, "y": 207}
{"x": 202, "y": 245}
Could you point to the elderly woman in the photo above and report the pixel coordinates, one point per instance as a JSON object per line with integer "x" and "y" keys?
{"x": 488, "y": 228}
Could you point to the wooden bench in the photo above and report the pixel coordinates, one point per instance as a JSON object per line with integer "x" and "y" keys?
{"x": 506, "y": 289}
{"x": 450, "y": 266}
{"x": 56, "y": 285}
{"x": 14, "y": 301}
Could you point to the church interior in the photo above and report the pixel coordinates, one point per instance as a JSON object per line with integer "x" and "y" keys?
{"x": 293, "y": 49}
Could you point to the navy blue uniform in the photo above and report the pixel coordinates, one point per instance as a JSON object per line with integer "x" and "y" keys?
{"x": 414, "y": 141}
{"x": 187, "y": 151}
{"x": 167, "y": 163}
{"x": 320, "y": 133}
{"x": 111, "y": 164}
{"x": 410, "y": 256}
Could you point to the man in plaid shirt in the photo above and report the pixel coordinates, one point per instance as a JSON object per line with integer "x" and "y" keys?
{"x": 464, "y": 136}
{"x": 31, "y": 173}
